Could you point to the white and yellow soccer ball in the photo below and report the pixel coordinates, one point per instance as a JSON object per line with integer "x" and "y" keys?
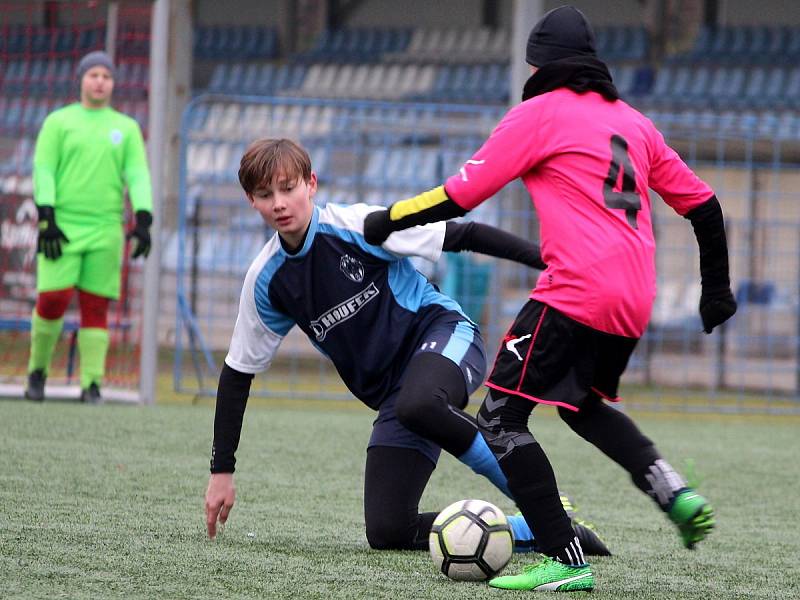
{"x": 471, "y": 540}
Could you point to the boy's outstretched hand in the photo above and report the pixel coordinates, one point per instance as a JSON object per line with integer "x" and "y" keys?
{"x": 220, "y": 497}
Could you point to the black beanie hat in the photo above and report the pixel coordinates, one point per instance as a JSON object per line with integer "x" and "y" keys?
{"x": 561, "y": 33}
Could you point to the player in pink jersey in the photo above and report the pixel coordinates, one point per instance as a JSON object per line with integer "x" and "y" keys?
{"x": 587, "y": 159}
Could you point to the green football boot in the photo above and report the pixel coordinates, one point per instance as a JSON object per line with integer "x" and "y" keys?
{"x": 693, "y": 515}
{"x": 548, "y": 576}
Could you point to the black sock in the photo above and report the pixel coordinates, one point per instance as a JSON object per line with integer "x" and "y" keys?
{"x": 533, "y": 485}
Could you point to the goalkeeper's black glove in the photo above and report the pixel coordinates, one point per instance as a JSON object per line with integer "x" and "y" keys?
{"x": 716, "y": 307}
{"x": 50, "y": 236}
{"x": 141, "y": 232}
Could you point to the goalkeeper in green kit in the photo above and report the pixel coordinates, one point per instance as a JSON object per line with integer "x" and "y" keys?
{"x": 86, "y": 154}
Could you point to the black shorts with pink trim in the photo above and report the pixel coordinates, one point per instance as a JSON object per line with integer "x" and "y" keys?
{"x": 548, "y": 357}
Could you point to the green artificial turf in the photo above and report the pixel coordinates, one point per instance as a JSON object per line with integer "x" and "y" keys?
{"x": 107, "y": 502}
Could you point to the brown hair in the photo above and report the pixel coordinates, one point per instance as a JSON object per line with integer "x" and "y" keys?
{"x": 268, "y": 158}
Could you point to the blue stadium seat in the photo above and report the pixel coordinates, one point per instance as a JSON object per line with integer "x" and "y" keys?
{"x": 250, "y": 80}
{"x": 266, "y": 74}
{"x": 638, "y": 45}
{"x": 66, "y": 40}
{"x": 9, "y": 121}
{"x": 219, "y": 49}
{"x": 727, "y": 86}
{"x": 792, "y": 47}
{"x": 691, "y": 91}
{"x": 281, "y": 79}
{"x": 233, "y": 82}
{"x": 737, "y": 49}
{"x": 721, "y": 46}
{"x": 759, "y": 43}
{"x": 601, "y": 41}
{"x": 791, "y": 93}
{"x": 89, "y": 39}
{"x": 250, "y": 40}
{"x": 776, "y": 50}
{"x": 753, "y": 89}
{"x": 296, "y": 76}
{"x": 15, "y": 76}
{"x": 269, "y": 46}
{"x": 218, "y": 78}
{"x": 755, "y": 292}
{"x": 35, "y": 79}
{"x": 772, "y": 94}
{"x": 623, "y": 78}
{"x": 701, "y": 49}
{"x": 643, "y": 78}
{"x": 40, "y": 40}
{"x": 619, "y": 43}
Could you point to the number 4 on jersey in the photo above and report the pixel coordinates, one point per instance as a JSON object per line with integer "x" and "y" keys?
{"x": 626, "y": 199}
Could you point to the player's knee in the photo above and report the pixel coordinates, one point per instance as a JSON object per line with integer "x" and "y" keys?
{"x": 52, "y": 305}
{"x": 414, "y": 410}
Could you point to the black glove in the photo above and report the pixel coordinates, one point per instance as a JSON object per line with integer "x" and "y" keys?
{"x": 141, "y": 232}
{"x": 50, "y": 236}
{"x": 428, "y": 207}
{"x": 716, "y": 308}
{"x": 377, "y": 227}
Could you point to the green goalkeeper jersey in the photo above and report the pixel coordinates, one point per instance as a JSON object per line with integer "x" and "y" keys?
{"x": 82, "y": 162}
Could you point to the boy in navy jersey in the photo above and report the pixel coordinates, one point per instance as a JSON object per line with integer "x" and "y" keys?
{"x": 401, "y": 347}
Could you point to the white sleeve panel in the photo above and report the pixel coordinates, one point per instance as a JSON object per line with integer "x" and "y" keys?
{"x": 253, "y": 344}
{"x": 424, "y": 241}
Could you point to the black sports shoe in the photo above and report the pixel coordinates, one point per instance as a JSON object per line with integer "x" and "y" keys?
{"x": 91, "y": 395}
{"x": 35, "y": 389}
{"x": 590, "y": 541}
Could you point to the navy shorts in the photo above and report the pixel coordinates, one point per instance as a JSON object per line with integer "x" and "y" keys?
{"x": 461, "y": 342}
{"x": 550, "y": 358}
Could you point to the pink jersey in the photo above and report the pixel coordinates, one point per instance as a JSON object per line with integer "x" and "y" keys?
{"x": 587, "y": 164}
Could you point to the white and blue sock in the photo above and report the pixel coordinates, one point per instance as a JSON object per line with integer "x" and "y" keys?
{"x": 523, "y": 537}
{"x": 481, "y": 459}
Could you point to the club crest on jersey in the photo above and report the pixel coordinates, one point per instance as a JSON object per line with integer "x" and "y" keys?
{"x": 352, "y": 268}
{"x": 116, "y": 136}
{"x": 342, "y": 312}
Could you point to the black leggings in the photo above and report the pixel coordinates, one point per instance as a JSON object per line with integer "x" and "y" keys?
{"x": 432, "y": 396}
{"x": 613, "y": 433}
{"x": 393, "y": 484}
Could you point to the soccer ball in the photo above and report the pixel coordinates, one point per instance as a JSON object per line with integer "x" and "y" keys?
{"x": 471, "y": 540}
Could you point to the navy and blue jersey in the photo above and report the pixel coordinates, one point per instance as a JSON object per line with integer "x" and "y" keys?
{"x": 365, "y": 307}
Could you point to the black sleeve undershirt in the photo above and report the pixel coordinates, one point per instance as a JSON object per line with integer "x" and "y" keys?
{"x": 232, "y": 394}
{"x": 485, "y": 239}
{"x": 709, "y": 229}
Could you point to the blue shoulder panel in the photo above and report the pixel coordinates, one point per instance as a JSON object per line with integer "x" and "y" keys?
{"x": 276, "y": 321}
